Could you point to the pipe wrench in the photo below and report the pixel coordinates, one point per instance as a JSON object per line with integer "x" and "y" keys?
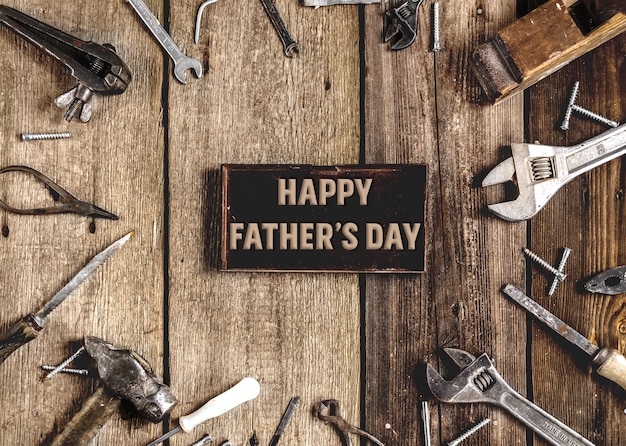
{"x": 97, "y": 68}
{"x": 540, "y": 170}
{"x": 480, "y": 382}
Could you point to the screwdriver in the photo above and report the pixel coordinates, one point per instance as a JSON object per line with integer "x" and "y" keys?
{"x": 28, "y": 327}
{"x": 606, "y": 361}
{"x": 245, "y": 390}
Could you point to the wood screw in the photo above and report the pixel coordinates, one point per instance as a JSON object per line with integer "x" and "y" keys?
{"x": 73, "y": 371}
{"x": 46, "y": 136}
{"x": 570, "y": 104}
{"x": 436, "y": 43}
{"x": 469, "y": 432}
{"x": 594, "y": 116}
{"x": 64, "y": 363}
{"x": 555, "y": 281}
{"x": 534, "y": 257}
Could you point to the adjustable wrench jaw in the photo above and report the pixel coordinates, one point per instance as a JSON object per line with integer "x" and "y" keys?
{"x": 538, "y": 172}
{"x": 477, "y": 382}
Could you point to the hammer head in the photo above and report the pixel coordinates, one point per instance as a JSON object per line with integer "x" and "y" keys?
{"x": 128, "y": 376}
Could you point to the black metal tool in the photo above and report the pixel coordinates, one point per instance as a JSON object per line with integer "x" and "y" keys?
{"x": 125, "y": 375}
{"x": 68, "y": 203}
{"x": 27, "y": 328}
{"x": 611, "y": 281}
{"x": 402, "y": 22}
{"x": 284, "y": 421}
{"x": 606, "y": 362}
{"x": 328, "y": 412}
{"x": 290, "y": 46}
{"x": 97, "y": 68}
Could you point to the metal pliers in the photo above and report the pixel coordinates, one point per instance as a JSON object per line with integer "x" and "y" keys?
{"x": 97, "y": 68}
{"x": 69, "y": 204}
{"x": 328, "y": 412}
{"x": 611, "y": 281}
{"x": 540, "y": 171}
{"x": 402, "y": 21}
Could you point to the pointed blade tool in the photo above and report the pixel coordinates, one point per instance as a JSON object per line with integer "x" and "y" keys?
{"x": 28, "y": 327}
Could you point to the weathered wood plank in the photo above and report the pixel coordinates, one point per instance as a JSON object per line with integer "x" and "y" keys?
{"x": 114, "y": 161}
{"x": 586, "y": 216}
{"x": 431, "y": 115}
{"x": 297, "y": 333}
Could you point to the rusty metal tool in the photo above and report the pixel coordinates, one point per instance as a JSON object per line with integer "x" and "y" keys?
{"x": 540, "y": 170}
{"x": 68, "y": 203}
{"x": 27, "y": 328}
{"x": 182, "y": 63}
{"x": 611, "y": 281}
{"x": 328, "y": 412}
{"x": 284, "y": 421}
{"x": 124, "y": 375}
{"x": 607, "y": 362}
{"x": 290, "y": 46}
{"x": 97, "y": 68}
{"x": 402, "y": 23}
{"x": 480, "y": 382}
{"x": 543, "y": 41}
{"x": 245, "y": 390}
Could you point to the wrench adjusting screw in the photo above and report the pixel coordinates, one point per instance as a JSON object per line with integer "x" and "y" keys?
{"x": 534, "y": 257}
{"x": 469, "y": 432}
{"x": 566, "y": 252}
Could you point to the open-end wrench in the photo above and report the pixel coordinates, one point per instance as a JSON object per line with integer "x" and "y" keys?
{"x": 290, "y": 46}
{"x": 541, "y": 170}
{"x": 480, "y": 382}
{"x": 182, "y": 63}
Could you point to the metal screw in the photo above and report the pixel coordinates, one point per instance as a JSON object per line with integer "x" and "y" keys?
{"x": 64, "y": 363}
{"x": 42, "y": 136}
{"x": 436, "y": 43}
{"x": 426, "y": 422}
{"x": 469, "y": 432}
{"x": 204, "y": 440}
{"x": 74, "y": 371}
{"x": 555, "y": 281}
{"x": 570, "y": 104}
{"x": 558, "y": 274}
{"x": 594, "y": 116}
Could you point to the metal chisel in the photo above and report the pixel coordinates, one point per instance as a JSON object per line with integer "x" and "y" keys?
{"x": 606, "y": 361}
{"x": 27, "y": 328}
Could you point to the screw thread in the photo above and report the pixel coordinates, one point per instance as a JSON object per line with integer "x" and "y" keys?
{"x": 555, "y": 281}
{"x": 436, "y": 43}
{"x": 73, "y": 371}
{"x": 570, "y": 104}
{"x": 534, "y": 257}
{"x": 64, "y": 363}
{"x": 469, "y": 432}
{"x": 73, "y": 109}
{"x": 594, "y": 116}
{"x": 43, "y": 136}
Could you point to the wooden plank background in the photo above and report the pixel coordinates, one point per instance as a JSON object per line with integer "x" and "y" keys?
{"x": 152, "y": 156}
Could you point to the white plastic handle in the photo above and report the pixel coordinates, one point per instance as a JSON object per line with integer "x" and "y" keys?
{"x": 245, "y": 390}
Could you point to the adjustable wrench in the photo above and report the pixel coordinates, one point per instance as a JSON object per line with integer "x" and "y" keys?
{"x": 541, "y": 170}
{"x": 480, "y": 382}
{"x": 182, "y": 63}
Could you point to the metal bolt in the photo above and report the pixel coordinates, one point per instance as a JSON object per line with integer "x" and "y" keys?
{"x": 555, "y": 281}
{"x": 64, "y": 363}
{"x": 594, "y": 116}
{"x": 74, "y": 371}
{"x": 570, "y": 104}
{"x": 469, "y": 432}
{"x": 204, "y": 440}
{"x": 558, "y": 274}
{"x": 436, "y": 43}
{"x": 42, "y": 136}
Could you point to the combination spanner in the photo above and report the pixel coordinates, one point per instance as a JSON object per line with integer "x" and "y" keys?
{"x": 480, "y": 382}
{"x": 182, "y": 63}
{"x": 541, "y": 170}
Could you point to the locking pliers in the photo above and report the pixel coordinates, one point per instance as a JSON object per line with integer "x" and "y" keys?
{"x": 97, "y": 68}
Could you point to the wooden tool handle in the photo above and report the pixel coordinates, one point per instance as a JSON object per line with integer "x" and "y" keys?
{"x": 94, "y": 413}
{"x": 24, "y": 331}
{"x": 612, "y": 366}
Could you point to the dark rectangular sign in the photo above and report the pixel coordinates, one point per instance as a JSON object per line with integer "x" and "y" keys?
{"x": 336, "y": 218}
